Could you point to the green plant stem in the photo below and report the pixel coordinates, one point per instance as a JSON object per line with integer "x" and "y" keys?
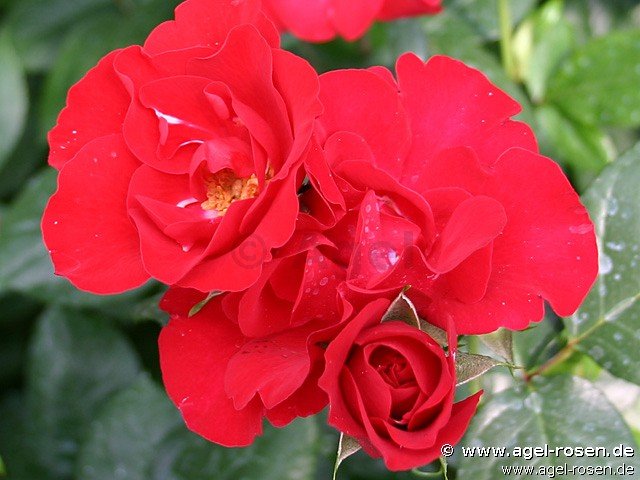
{"x": 442, "y": 472}
{"x": 559, "y": 357}
{"x": 506, "y": 33}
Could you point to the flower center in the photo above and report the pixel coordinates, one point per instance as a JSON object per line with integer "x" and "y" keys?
{"x": 224, "y": 187}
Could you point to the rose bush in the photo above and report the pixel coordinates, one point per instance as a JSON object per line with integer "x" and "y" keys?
{"x": 322, "y": 20}
{"x": 391, "y": 387}
{"x": 286, "y": 211}
{"x": 182, "y": 158}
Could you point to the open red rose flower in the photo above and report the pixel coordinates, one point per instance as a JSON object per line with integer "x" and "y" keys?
{"x": 459, "y": 204}
{"x": 322, "y": 20}
{"x": 181, "y": 159}
{"x": 391, "y": 387}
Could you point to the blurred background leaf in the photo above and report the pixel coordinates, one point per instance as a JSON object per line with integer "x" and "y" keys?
{"x": 13, "y": 96}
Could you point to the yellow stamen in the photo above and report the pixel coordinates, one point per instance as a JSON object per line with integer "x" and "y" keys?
{"x": 224, "y": 188}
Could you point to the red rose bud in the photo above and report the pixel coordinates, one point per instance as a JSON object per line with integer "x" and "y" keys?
{"x": 391, "y": 387}
{"x": 322, "y": 20}
{"x": 181, "y": 160}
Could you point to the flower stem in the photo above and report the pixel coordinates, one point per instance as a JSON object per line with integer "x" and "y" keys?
{"x": 506, "y": 50}
{"x": 559, "y": 357}
{"x": 442, "y": 472}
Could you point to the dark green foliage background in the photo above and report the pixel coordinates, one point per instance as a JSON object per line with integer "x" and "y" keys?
{"x": 80, "y": 391}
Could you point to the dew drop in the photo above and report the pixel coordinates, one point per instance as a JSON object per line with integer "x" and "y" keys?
{"x": 605, "y": 264}
{"x": 533, "y": 402}
{"x": 616, "y": 246}
{"x": 596, "y": 352}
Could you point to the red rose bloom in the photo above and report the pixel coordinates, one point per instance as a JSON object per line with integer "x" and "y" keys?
{"x": 459, "y": 204}
{"x": 181, "y": 159}
{"x": 322, "y": 20}
{"x": 392, "y": 387}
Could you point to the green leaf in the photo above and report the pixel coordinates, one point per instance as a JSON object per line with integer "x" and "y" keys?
{"x": 125, "y": 435}
{"x": 402, "y": 310}
{"x": 16, "y": 321}
{"x": 279, "y": 454}
{"x": 561, "y": 411}
{"x": 75, "y": 363}
{"x": 16, "y": 443}
{"x": 582, "y": 147}
{"x": 390, "y": 40}
{"x": 470, "y": 366}
{"x": 607, "y": 325}
{"x": 13, "y": 96}
{"x": 598, "y": 85}
{"x": 23, "y": 260}
{"x": 554, "y": 39}
{"x": 500, "y": 342}
{"x": 3, "y": 471}
{"x": 200, "y": 305}
{"x": 39, "y": 25}
{"x": 347, "y": 446}
{"x": 483, "y": 16}
{"x": 597, "y": 19}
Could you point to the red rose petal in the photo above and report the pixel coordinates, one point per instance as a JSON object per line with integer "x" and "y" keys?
{"x": 393, "y": 9}
{"x": 297, "y": 82}
{"x": 397, "y": 459}
{"x": 207, "y": 23}
{"x": 469, "y": 280}
{"x": 472, "y": 226}
{"x": 245, "y": 65}
{"x": 352, "y": 18}
{"x": 262, "y": 311}
{"x": 96, "y": 107}
{"x": 273, "y": 367}
{"x": 306, "y": 20}
{"x": 155, "y": 200}
{"x": 194, "y": 354}
{"x": 86, "y": 227}
{"x": 347, "y": 96}
{"x": 449, "y": 105}
{"x": 374, "y": 391}
{"x": 336, "y": 356}
{"x": 547, "y": 249}
{"x": 309, "y": 399}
